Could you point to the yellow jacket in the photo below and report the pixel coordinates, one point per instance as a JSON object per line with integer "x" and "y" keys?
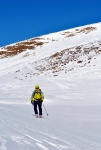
{"x": 37, "y": 95}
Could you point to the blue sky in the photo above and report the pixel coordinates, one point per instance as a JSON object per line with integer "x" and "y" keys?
{"x": 24, "y": 19}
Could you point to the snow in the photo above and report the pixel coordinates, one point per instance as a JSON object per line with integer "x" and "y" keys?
{"x": 72, "y": 100}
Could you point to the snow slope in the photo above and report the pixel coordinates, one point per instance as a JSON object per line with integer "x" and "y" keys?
{"x": 72, "y": 97}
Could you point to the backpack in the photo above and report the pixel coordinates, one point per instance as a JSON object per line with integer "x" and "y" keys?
{"x": 37, "y": 92}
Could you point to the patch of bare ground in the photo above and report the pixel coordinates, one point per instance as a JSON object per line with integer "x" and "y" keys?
{"x": 85, "y": 30}
{"x": 60, "y": 60}
{"x": 20, "y": 47}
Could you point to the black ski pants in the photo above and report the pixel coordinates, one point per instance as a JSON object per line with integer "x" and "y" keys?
{"x": 39, "y": 105}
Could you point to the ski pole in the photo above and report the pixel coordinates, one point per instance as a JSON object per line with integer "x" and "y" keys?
{"x": 45, "y": 109}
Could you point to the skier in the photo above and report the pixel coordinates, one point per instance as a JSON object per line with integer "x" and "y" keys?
{"x": 36, "y": 100}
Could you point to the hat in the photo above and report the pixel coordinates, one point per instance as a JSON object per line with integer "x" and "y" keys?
{"x": 37, "y": 87}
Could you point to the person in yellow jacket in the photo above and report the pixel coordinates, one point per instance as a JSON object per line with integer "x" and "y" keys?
{"x": 36, "y": 100}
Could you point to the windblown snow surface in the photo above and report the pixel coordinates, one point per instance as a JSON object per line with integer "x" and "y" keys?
{"x": 72, "y": 98}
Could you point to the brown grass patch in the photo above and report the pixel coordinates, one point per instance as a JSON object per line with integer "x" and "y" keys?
{"x": 87, "y": 30}
{"x": 55, "y": 55}
{"x": 20, "y": 47}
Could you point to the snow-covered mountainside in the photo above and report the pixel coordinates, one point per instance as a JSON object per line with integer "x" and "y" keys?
{"x": 67, "y": 66}
{"x": 54, "y": 53}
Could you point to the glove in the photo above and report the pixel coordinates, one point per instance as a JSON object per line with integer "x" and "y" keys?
{"x": 32, "y": 102}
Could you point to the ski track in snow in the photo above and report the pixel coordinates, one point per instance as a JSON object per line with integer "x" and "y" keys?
{"x": 2, "y": 144}
{"x": 78, "y": 130}
{"x": 22, "y": 134}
